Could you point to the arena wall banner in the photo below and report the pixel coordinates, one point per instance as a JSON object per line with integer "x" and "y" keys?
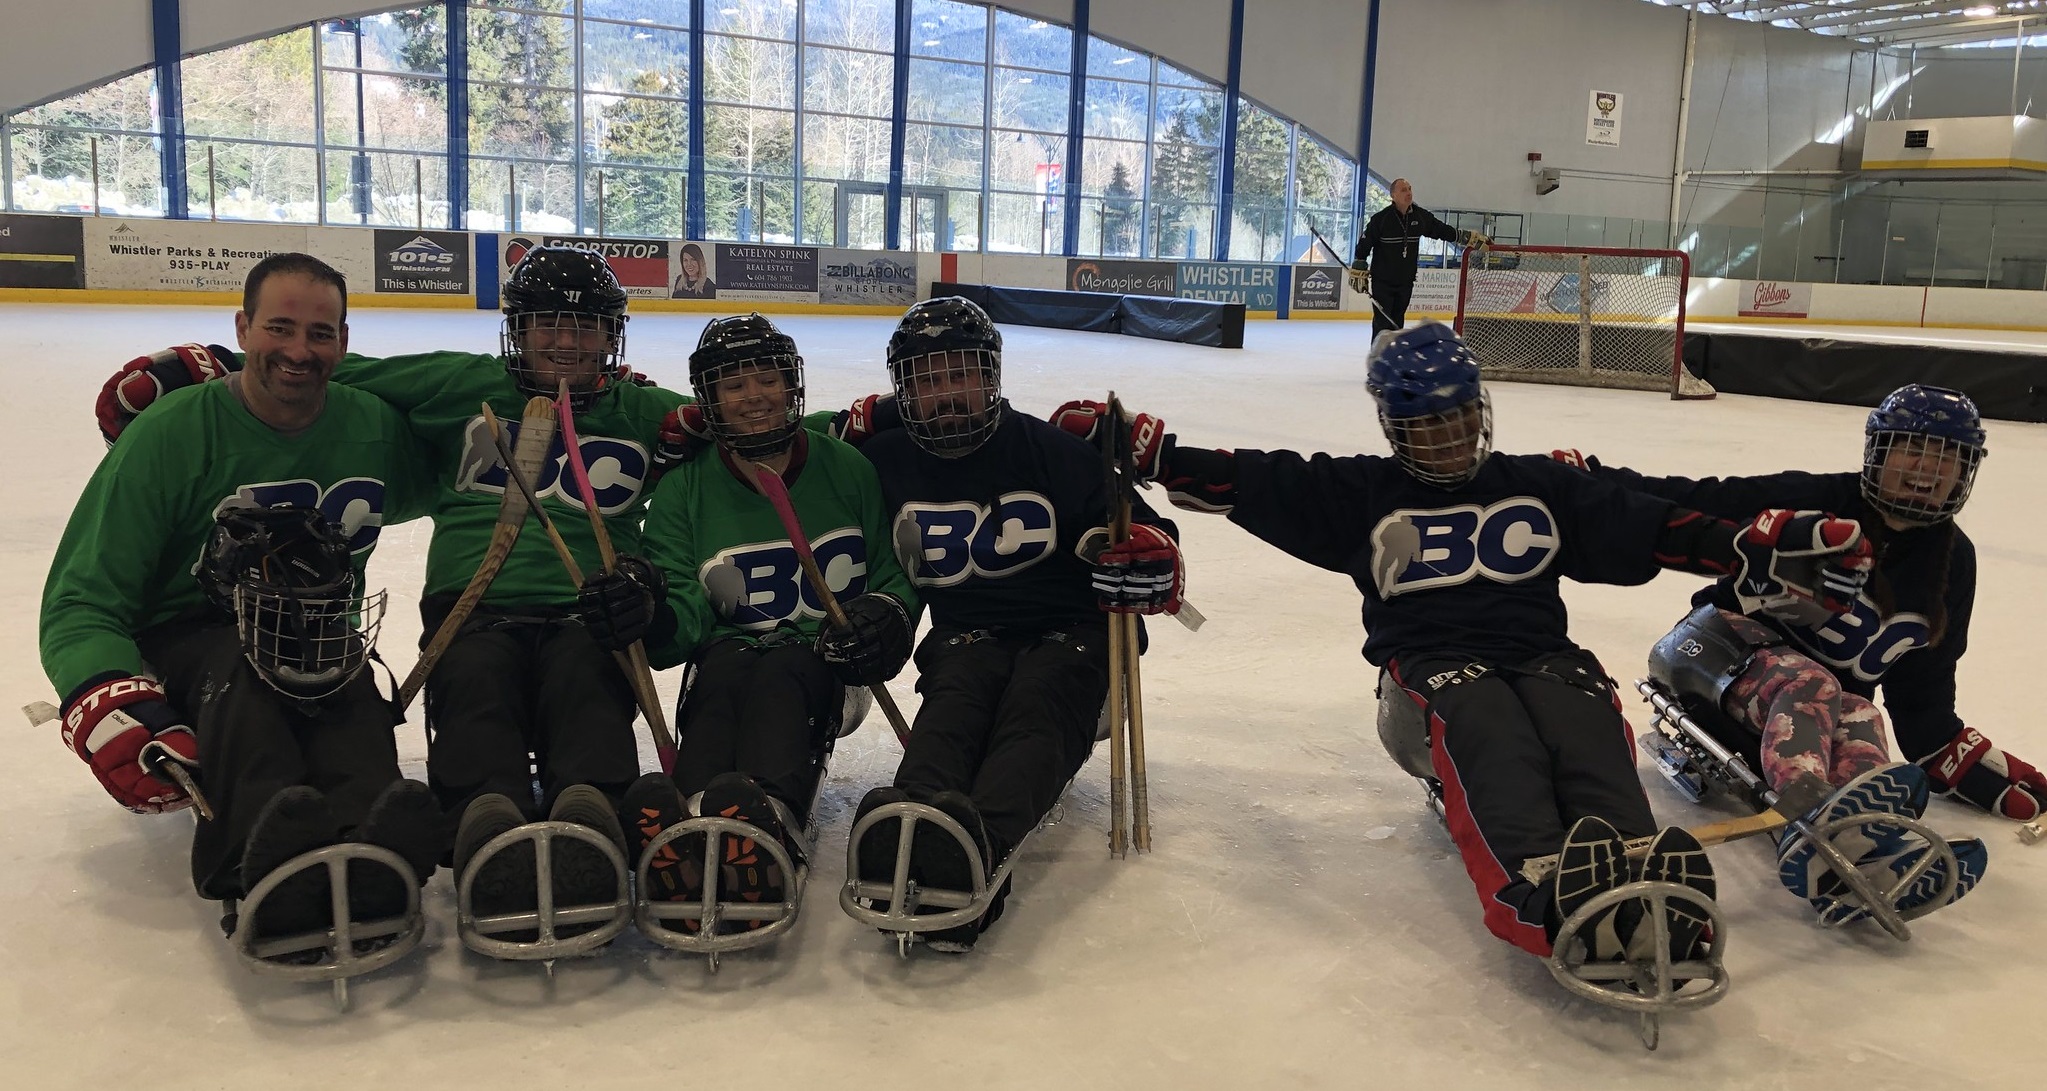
{"x": 1774, "y": 299}
{"x": 179, "y": 255}
{"x": 764, "y": 273}
{"x": 692, "y": 272}
{"x": 1122, "y": 277}
{"x": 863, "y": 276}
{"x": 435, "y": 262}
{"x": 1255, "y": 286}
{"x": 1435, "y": 292}
{"x": 1318, "y": 287}
{"x": 42, "y": 252}
{"x": 641, "y": 265}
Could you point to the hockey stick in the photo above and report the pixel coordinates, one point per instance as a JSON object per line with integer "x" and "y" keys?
{"x": 1799, "y": 798}
{"x": 769, "y": 484}
{"x": 1140, "y": 788}
{"x": 156, "y": 758}
{"x": 639, "y": 675}
{"x": 1120, "y": 648}
{"x": 536, "y": 432}
{"x": 664, "y": 741}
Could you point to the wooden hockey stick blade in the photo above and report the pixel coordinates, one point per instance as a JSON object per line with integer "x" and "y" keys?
{"x": 536, "y": 433}
{"x": 1800, "y": 798}
{"x": 525, "y": 484}
{"x": 769, "y": 484}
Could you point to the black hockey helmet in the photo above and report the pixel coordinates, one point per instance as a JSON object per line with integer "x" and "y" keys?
{"x": 727, "y": 348}
{"x": 557, "y": 286}
{"x": 933, "y": 360}
{"x": 286, "y": 575}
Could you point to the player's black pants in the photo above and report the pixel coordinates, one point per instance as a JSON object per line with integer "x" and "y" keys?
{"x": 1006, "y": 719}
{"x": 769, "y": 711}
{"x": 1391, "y": 296}
{"x": 514, "y": 684}
{"x": 1523, "y": 753}
{"x": 254, "y": 742}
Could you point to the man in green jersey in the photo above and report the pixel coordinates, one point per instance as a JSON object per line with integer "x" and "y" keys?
{"x": 523, "y": 680}
{"x": 727, "y": 593}
{"x": 190, "y": 614}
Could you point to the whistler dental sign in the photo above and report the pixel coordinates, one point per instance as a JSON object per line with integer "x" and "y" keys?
{"x": 862, "y": 276}
{"x": 422, "y": 261}
{"x": 1775, "y": 299}
{"x": 765, "y": 274}
{"x": 179, "y": 256}
{"x": 1255, "y": 286}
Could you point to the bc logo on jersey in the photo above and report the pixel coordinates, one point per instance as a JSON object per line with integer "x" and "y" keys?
{"x": 356, "y": 504}
{"x": 618, "y": 468}
{"x": 1507, "y": 542}
{"x": 945, "y": 544}
{"x": 1861, "y": 641}
{"x": 761, "y": 585}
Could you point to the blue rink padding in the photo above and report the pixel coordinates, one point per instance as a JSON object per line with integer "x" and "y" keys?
{"x": 489, "y": 276}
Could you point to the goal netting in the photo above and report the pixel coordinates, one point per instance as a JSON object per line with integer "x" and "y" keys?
{"x": 1580, "y": 316}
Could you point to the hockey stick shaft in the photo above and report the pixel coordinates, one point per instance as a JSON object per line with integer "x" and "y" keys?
{"x": 1799, "y": 798}
{"x": 536, "y": 432}
{"x": 664, "y": 746}
{"x": 1121, "y": 649}
{"x": 638, "y": 673}
{"x": 769, "y": 484}
{"x": 1140, "y": 784}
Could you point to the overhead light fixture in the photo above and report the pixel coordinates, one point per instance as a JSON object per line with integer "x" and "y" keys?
{"x": 1980, "y": 11}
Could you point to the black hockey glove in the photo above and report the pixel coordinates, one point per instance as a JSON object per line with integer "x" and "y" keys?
{"x": 873, "y": 645}
{"x": 617, "y": 607}
{"x": 1791, "y": 561}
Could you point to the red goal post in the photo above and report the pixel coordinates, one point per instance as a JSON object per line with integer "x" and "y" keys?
{"x": 1579, "y": 316}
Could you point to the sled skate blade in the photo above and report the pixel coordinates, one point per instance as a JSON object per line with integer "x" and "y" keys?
{"x": 546, "y": 931}
{"x": 699, "y": 925}
{"x": 349, "y": 947}
{"x": 1648, "y": 987}
{"x": 900, "y": 905}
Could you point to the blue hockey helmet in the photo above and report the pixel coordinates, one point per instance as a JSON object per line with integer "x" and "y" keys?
{"x": 1432, "y": 405}
{"x": 1921, "y": 448}
{"x": 945, "y": 361}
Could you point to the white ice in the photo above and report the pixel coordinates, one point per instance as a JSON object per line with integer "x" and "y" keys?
{"x": 1303, "y": 922}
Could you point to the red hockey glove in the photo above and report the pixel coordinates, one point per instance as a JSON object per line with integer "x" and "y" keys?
{"x": 683, "y": 437}
{"x": 1141, "y": 575}
{"x": 1793, "y": 559}
{"x": 1970, "y": 769}
{"x": 146, "y": 378}
{"x": 869, "y": 416}
{"x": 114, "y": 725}
{"x": 1571, "y": 456}
{"x": 1147, "y": 434}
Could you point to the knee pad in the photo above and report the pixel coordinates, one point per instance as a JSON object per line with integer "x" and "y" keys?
{"x": 1403, "y": 728}
{"x": 1701, "y": 657}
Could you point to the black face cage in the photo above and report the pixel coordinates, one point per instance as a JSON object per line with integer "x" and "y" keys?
{"x": 957, "y": 423}
{"x": 1421, "y": 443}
{"x": 1914, "y": 493}
{"x": 535, "y": 380}
{"x": 735, "y": 435}
{"x": 307, "y": 643}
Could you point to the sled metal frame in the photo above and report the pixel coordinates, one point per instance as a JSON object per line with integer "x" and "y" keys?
{"x": 480, "y": 933}
{"x": 1649, "y": 988}
{"x": 340, "y": 960}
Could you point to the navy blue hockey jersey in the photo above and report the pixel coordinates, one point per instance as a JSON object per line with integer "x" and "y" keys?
{"x": 991, "y": 539}
{"x": 1925, "y": 568}
{"x": 1470, "y": 572}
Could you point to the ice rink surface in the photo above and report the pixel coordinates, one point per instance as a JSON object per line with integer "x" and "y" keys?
{"x": 1304, "y": 922}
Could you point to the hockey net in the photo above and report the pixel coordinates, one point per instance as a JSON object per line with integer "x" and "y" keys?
{"x": 1579, "y": 316}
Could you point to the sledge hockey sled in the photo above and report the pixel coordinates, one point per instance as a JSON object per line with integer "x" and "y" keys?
{"x": 1649, "y": 988}
{"x": 487, "y": 935}
{"x": 346, "y": 949}
{"x": 1702, "y": 752}
{"x": 662, "y": 920}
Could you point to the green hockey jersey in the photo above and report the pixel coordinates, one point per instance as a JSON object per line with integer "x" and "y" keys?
{"x": 129, "y": 556}
{"x": 731, "y": 570}
{"x": 441, "y": 394}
